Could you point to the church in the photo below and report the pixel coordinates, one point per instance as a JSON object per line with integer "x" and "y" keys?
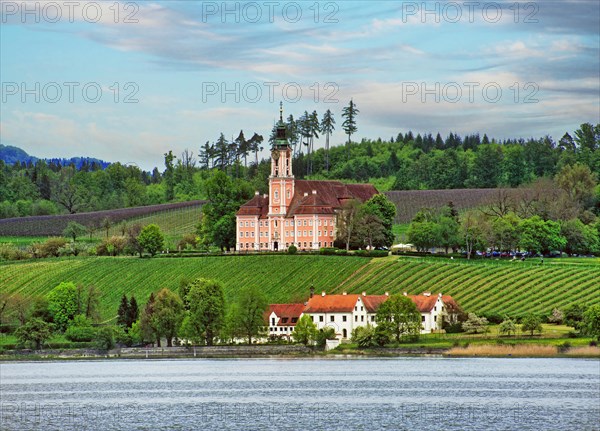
{"x": 295, "y": 212}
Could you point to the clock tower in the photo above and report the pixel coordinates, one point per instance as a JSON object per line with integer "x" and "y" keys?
{"x": 281, "y": 181}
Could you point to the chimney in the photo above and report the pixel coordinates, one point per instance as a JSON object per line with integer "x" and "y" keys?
{"x": 440, "y": 295}
{"x": 323, "y": 293}
{"x": 314, "y": 192}
{"x": 387, "y": 293}
{"x": 305, "y": 194}
{"x": 364, "y": 294}
{"x": 344, "y": 293}
{"x": 405, "y": 294}
{"x": 427, "y": 294}
{"x": 312, "y": 291}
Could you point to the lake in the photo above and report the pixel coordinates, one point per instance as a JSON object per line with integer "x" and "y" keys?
{"x": 302, "y": 394}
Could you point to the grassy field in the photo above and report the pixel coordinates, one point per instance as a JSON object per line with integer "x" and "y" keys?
{"x": 514, "y": 288}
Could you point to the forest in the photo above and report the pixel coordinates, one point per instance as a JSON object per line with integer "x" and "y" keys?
{"x": 404, "y": 162}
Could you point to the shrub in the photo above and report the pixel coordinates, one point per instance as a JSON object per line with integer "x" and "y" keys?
{"x": 52, "y": 246}
{"x": 188, "y": 241}
{"x": 493, "y": 318}
{"x": 557, "y": 317}
{"x": 475, "y": 324}
{"x": 323, "y": 335}
{"x": 364, "y": 336}
{"x": 113, "y": 246}
{"x": 328, "y": 251}
{"x": 80, "y": 329}
{"x": 378, "y": 253}
{"x": 80, "y": 333}
{"x": 11, "y": 252}
{"x": 105, "y": 338}
{"x": 292, "y": 249}
{"x": 453, "y": 328}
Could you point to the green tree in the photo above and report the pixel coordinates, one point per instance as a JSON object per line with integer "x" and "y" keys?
{"x": 169, "y": 176}
{"x": 105, "y": 338}
{"x": 424, "y": 234}
{"x": 218, "y": 216}
{"x": 531, "y": 323}
{"x": 573, "y": 315}
{"x": 507, "y": 327}
{"x": 400, "y": 316}
{"x": 127, "y": 313}
{"x": 579, "y": 182}
{"x": 385, "y": 210}
{"x": 347, "y": 221}
{"x": 148, "y": 327}
{"x": 305, "y": 331}
{"x": 591, "y": 321}
{"x": 35, "y": 333}
{"x": 349, "y": 114}
{"x": 251, "y": 305}
{"x": 207, "y": 308}
{"x": 475, "y": 324}
{"x": 62, "y": 304}
{"x": 323, "y": 335}
{"x": 151, "y": 239}
{"x": 168, "y": 314}
{"x": 327, "y": 127}
{"x": 74, "y": 230}
{"x": 106, "y": 225}
{"x": 537, "y": 235}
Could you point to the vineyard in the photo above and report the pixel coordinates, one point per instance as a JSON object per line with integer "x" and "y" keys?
{"x": 513, "y": 288}
{"x": 55, "y": 224}
{"x": 409, "y": 202}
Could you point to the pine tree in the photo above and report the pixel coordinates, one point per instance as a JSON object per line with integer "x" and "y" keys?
{"x": 349, "y": 125}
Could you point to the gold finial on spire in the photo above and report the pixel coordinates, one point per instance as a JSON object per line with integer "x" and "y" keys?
{"x": 281, "y": 111}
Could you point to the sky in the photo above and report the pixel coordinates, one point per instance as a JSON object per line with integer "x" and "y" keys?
{"x": 129, "y": 81}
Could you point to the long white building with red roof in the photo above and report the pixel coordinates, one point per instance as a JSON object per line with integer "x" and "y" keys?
{"x": 295, "y": 212}
{"x": 346, "y": 312}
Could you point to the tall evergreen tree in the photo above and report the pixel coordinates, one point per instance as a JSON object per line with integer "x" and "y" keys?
{"x": 349, "y": 125}
{"x": 327, "y": 127}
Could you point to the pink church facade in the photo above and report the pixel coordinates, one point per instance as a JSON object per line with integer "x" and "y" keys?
{"x": 295, "y": 212}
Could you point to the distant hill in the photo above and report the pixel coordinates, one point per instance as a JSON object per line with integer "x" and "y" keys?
{"x": 11, "y": 155}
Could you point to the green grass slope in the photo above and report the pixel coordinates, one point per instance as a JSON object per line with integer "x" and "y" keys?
{"x": 513, "y": 288}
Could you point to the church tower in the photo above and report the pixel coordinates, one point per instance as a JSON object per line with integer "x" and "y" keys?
{"x": 281, "y": 184}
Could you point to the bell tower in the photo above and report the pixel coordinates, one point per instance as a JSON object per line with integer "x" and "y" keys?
{"x": 281, "y": 180}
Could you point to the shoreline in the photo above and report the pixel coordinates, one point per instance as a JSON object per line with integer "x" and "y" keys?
{"x": 293, "y": 352}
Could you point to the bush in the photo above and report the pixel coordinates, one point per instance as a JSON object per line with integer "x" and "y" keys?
{"x": 378, "y": 253}
{"x": 105, "y": 338}
{"x": 453, "y": 328}
{"x": 113, "y": 246}
{"x": 292, "y": 249}
{"x": 11, "y": 252}
{"x": 44, "y": 207}
{"x": 188, "y": 242}
{"x": 328, "y": 251}
{"x": 493, "y": 318}
{"x": 51, "y": 247}
{"x": 80, "y": 333}
{"x": 323, "y": 335}
{"x": 364, "y": 336}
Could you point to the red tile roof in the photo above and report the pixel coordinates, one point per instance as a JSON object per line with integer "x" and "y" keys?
{"x": 330, "y": 195}
{"x": 331, "y": 304}
{"x": 372, "y": 302}
{"x": 257, "y": 206}
{"x": 451, "y": 305}
{"x": 288, "y": 311}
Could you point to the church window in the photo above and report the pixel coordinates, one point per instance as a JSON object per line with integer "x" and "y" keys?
{"x": 252, "y": 224}
{"x": 252, "y": 234}
{"x": 241, "y": 224}
{"x": 275, "y": 223}
{"x": 310, "y": 232}
{"x": 276, "y": 194}
{"x": 304, "y": 222}
{"x": 241, "y": 234}
{"x": 319, "y": 233}
{"x": 288, "y": 194}
{"x": 325, "y": 222}
{"x": 319, "y": 222}
{"x": 246, "y": 224}
{"x": 310, "y": 222}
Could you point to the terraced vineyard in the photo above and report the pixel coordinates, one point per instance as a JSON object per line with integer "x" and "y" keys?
{"x": 282, "y": 278}
{"x": 513, "y": 288}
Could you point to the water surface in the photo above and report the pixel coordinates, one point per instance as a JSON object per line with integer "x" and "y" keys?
{"x": 299, "y": 394}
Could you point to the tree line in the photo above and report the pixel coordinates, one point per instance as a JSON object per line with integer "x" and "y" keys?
{"x": 558, "y": 214}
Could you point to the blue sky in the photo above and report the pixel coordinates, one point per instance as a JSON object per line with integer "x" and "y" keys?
{"x": 191, "y": 70}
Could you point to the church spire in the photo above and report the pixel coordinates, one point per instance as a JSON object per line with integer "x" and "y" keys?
{"x": 281, "y": 112}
